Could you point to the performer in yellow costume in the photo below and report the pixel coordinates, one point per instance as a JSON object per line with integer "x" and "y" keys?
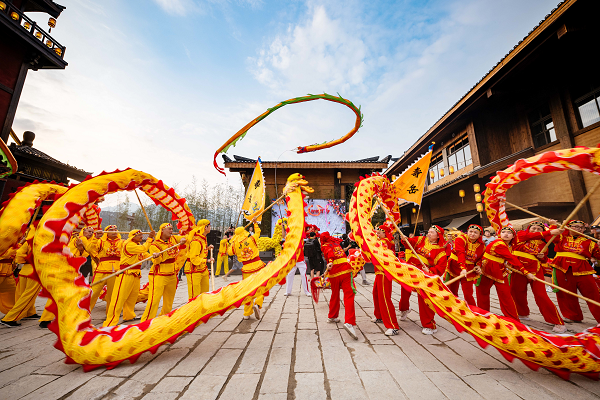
{"x": 163, "y": 275}
{"x": 8, "y": 286}
{"x": 222, "y": 257}
{"x": 245, "y": 248}
{"x": 27, "y": 288}
{"x": 107, "y": 249}
{"x": 78, "y": 245}
{"x": 195, "y": 269}
{"x": 127, "y": 285}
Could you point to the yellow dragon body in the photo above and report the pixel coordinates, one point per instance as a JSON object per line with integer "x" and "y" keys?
{"x": 561, "y": 354}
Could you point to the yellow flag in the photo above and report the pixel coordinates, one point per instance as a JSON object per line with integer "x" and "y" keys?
{"x": 254, "y": 203}
{"x": 410, "y": 185}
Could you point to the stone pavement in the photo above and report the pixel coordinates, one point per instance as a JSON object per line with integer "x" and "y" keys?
{"x": 291, "y": 353}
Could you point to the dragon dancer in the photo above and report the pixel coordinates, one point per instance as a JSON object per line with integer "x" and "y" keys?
{"x": 196, "y": 271}
{"x": 222, "y": 258}
{"x": 244, "y": 246}
{"x": 127, "y": 285}
{"x": 572, "y": 271}
{"x": 163, "y": 274}
{"x": 382, "y": 288}
{"x": 8, "y": 286}
{"x": 431, "y": 251}
{"x": 467, "y": 252}
{"x": 340, "y": 277}
{"x": 494, "y": 273}
{"x": 106, "y": 247}
{"x": 528, "y": 247}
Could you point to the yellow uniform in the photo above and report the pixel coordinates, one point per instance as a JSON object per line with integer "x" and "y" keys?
{"x": 127, "y": 285}
{"x": 27, "y": 288}
{"x": 222, "y": 258}
{"x": 245, "y": 248}
{"x": 195, "y": 269}
{"x": 108, "y": 253}
{"x": 8, "y": 286}
{"x": 162, "y": 276}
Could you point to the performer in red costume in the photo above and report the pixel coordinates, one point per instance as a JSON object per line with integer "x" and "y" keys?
{"x": 467, "y": 252}
{"x": 573, "y": 272}
{"x": 340, "y": 277}
{"x": 494, "y": 273}
{"x": 382, "y": 288}
{"x": 527, "y": 249}
{"x": 431, "y": 249}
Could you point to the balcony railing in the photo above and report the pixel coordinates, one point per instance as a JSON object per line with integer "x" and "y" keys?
{"x": 32, "y": 28}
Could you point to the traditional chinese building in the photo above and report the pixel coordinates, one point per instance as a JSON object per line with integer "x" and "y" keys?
{"x": 543, "y": 95}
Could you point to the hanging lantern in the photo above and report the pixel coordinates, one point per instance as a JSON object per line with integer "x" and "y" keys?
{"x": 432, "y": 175}
{"x": 51, "y": 24}
{"x": 476, "y": 188}
{"x": 479, "y": 207}
{"x": 14, "y": 16}
{"x": 58, "y": 51}
{"x": 478, "y": 197}
{"x": 49, "y": 43}
{"x": 451, "y": 169}
{"x": 414, "y": 210}
{"x": 442, "y": 172}
{"x": 38, "y": 35}
{"x": 461, "y": 193}
{"x": 27, "y": 25}
{"x": 2, "y": 6}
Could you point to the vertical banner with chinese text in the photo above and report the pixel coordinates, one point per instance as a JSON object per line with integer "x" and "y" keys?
{"x": 410, "y": 185}
{"x": 254, "y": 203}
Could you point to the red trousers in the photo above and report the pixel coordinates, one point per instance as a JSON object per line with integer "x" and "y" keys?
{"x": 507, "y": 304}
{"x": 518, "y": 289}
{"x": 568, "y": 304}
{"x": 382, "y": 299}
{"x": 467, "y": 289}
{"x": 343, "y": 282}
{"x": 426, "y": 314}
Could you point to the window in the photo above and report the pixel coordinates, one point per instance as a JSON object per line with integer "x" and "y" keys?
{"x": 459, "y": 154}
{"x": 588, "y": 106}
{"x": 542, "y": 126}
{"x": 436, "y": 170}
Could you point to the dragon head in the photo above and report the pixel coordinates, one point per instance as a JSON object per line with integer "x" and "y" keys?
{"x": 297, "y": 180}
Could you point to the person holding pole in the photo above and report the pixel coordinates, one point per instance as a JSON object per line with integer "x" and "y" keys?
{"x": 495, "y": 273}
{"x": 127, "y": 285}
{"x": 466, "y": 253}
{"x": 163, "y": 275}
{"x": 382, "y": 288}
{"x": 8, "y": 286}
{"x": 196, "y": 271}
{"x": 528, "y": 249}
{"x": 106, "y": 247}
{"x": 573, "y": 271}
{"x": 429, "y": 256}
{"x": 245, "y": 248}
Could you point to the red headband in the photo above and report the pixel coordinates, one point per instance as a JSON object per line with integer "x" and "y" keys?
{"x": 475, "y": 226}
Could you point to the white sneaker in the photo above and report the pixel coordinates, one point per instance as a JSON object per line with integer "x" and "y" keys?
{"x": 308, "y": 294}
{"x": 392, "y": 332}
{"x": 524, "y": 317}
{"x": 428, "y": 331}
{"x": 336, "y": 320}
{"x": 404, "y": 314}
{"x": 559, "y": 329}
{"x": 287, "y": 294}
{"x": 246, "y": 317}
{"x": 256, "y": 311}
{"x": 376, "y": 320}
{"x": 350, "y": 329}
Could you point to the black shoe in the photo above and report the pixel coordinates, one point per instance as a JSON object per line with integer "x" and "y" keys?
{"x": 44, "y": 324}
{"x": 10, "y": 324}
{"x": 34, "y": 316}
{"x": 135, "y": 319}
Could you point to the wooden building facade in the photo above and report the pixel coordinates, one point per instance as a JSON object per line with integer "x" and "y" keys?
{"x": 543, "y": 95}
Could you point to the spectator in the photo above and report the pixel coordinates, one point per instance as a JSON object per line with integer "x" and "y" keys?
{"x": 313, "y": 255}
{"x": 489, "y": 235}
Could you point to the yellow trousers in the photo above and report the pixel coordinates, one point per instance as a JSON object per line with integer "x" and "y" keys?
{"x": 258, "y": 301}
{"x": 125, "y": 293}
{"x": 222, "y": 259}
{"x": 27, "y": 291}
{"x": 8, "y": 290}
{"x": 198, "y": 282}
{"x": 161, "y": 286}
{"x": 47, "y": 315}
{"x": 96, "y": 290}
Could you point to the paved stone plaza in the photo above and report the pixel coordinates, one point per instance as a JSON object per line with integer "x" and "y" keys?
{"x": 292, "y": 353}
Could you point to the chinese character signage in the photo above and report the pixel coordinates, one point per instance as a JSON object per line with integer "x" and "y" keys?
{"x": 254, "y": 202}
{"x": 410, "y": 185}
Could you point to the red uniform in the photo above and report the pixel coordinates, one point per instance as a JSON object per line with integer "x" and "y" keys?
{"x": 434, "y": 257}
{"x": 573, "y": 272}
{"x": 382, "y": 294}
{"x": 340, "y": 277}
{"x": 528, "y": 245}
{"x": 494, "y": 273}
{"x": 464, "y": 256}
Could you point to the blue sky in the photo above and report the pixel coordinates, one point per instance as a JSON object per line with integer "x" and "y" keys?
{"x": 159, "y": 85}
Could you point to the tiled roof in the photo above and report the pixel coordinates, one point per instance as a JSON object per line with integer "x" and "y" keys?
{"x": 239, "y": 159}
{"x": 33, "y": 152}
